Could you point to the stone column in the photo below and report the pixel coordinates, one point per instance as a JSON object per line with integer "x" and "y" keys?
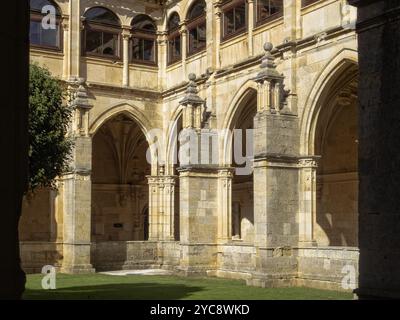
{"x": 162, "y": 56}
{"x": 210, "y": 43}
{"x": 126, "y": 36}
{"x": 250, "y": 24}
{"x": 198, "y": 192}
{"x": 169, "y": 208}
{"x": 218, "y": 14}
{"x": 198, "y": 219}
{"x": 276, "y": 179}
{"x": 291, "y": 10}
{"x": 378, "y": 27}
{"x": 77, "y": 190}
{"x": 225, "y": 205}
{"x": 65, "y": 28}
{"x": 292, "y": 31}
{"x": 184, "y": 45}
{"x": 307, "y": 205}
{"x": 75, "y": 30}
{"x": 155, "y": 200}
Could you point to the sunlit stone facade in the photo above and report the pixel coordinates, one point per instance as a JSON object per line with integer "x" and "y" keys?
{"x": 130, "y": 66}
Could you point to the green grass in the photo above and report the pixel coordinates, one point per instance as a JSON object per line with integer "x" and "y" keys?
{"x": 98, "y": 286}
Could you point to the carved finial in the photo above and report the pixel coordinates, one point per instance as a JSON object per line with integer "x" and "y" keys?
{"x": 192, "y": 77}
{"x": 268, "y": 59}
{"x": 268, "y": 46}
{"x": 268, "y": 66}
{"x": 191, "y": 96}
{"x": 81, "y": 96}
{"x": 272, "y": 83}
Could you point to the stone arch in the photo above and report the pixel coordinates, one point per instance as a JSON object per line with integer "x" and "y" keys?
{"x": 135, "y": 114}
{"x": 87, "y": 9}
{"x": 50, "y": 2}
{"x": 185, "y": 10}
{"x": 338, "y": 65}
{"x": 170, "y": 13}
{"x": 240, "y": 115}
{"x": 233, "y": 112}
{"x": 329, "y": 130}
{"x": 170, "y": 141}
{"x": 119, "y": 185}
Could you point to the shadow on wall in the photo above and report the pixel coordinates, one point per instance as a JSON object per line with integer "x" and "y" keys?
{"x": 337, "y": 173}
{"x": 139, "y": 291}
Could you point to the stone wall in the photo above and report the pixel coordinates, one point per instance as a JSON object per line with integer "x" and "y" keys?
{"x": 327, "y": 267}
{"x": 128, "y": 255}
{"x": 36, "y": 255}
{"x": 309, "y": 48}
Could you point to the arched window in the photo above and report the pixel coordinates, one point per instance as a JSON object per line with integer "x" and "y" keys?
{"x": 267, "y": 10}
{"x": 102, "y": 33}
{"x": 197, "y": 27}
{"x": 234, "y": 18}
{"x": 174, "y": 39}
{"x": 45, "y": 28}
{"x": 144, "y": 39}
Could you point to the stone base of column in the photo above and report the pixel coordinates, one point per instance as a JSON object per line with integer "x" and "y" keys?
{"x": 275, "y": 267}
{"x": 197, "y": 259}
{"x": 77, "y": 259}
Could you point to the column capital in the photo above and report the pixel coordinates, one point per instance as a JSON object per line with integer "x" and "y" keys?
{"x": 182, "y": 27}
{"x": 217, "y": 7}
{"x": 227, "y": 172}
{"x": 309, "y": 162}
{"x": 65, "y": 23}
{"x": 126, "y": 33}
{"x": 82, "y": 23}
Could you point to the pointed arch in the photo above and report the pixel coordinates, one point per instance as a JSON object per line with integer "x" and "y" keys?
{"x": 136, "y": 115}
{"x": 344, "y": 62}
{"x": 171, "y": 142}
{"x": 247, "y": 90}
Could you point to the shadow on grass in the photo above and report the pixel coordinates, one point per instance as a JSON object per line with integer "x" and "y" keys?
{"x": 137, "y": 291}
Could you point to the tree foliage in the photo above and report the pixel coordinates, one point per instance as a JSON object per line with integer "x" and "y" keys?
{"x": 50, "y": 149}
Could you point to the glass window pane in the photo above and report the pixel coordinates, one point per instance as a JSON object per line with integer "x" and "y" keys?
{"x": 229, "y": 23}
{"x": 50, "y": 37}
{"x": 34, "y": 32}
{"x": 137, "y": 49}
{"x": 148, "y": 50}
{"x": 267, "y": 8}
{"x": 201, "y": 30}
{"x": 110, "y": 44}
{"x": 197, "y": 10}
{"x": 173, "y": 21}
{"x": 174, "y": 49}
{"x": 177, "y": 47}
{"x": 193, "y": 39}
{"x": 102, "y": 15}
{"x": 94, "y": 41}
{"x": 240, "y": 17}
{"x": 37, "y": 5}
{"x": 143, "y": 22}
{"x": 44, "y": 37}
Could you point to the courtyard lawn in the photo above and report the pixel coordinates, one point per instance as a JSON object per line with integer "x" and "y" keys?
{"x": 98, "y": 286}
